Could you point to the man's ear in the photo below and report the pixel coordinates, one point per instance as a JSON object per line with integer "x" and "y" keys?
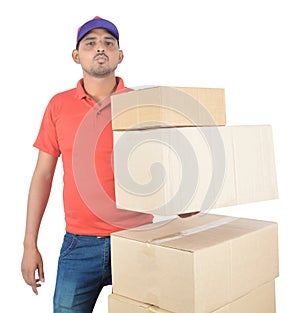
{"x": 121, "y": 56}
{"x": 75, "y": 56}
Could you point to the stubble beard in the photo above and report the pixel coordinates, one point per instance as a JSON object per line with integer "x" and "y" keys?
{"x": 100, "y": 71}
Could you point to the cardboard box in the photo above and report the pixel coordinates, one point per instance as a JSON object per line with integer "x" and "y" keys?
{"x": 163, "y": 106}
{"x": 166, "y": 171}
{"x": 194, "y": 265}
{"x": 260, "y": 300}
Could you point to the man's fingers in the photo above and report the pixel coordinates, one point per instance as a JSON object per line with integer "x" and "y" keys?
{"x": 35, "y": 285}
{"x": 41, "y": 275}
{"x": 184, "y": 215}
{"x": 34, "y": 289}
{"x": 33, "y": 282}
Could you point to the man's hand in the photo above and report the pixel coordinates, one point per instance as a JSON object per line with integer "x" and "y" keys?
{"x": 32, "y": 264}
{"x": 184, "y": 215}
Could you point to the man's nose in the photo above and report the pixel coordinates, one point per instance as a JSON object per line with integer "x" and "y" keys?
{"x": 100, "y": 47}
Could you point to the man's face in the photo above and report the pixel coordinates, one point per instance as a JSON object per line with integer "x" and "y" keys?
{"x": 98, "y": 53}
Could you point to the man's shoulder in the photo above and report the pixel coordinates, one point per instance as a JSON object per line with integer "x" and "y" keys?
{"x": 62, "y": 100}
{"x": 65, "y": 94}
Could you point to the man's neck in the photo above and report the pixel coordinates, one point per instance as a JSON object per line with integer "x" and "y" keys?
{"x": 99, "y": 88}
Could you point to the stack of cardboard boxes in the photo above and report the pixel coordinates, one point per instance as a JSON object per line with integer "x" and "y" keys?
{"x": 173, "y": 154}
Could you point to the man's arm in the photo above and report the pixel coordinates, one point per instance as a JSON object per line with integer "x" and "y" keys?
{"x": 38, "y": 196}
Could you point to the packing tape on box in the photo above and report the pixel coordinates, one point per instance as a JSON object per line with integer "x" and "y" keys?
{"x": 194, "y": 230}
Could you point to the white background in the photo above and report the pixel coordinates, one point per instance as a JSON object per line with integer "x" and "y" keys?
{"x": 250, "y": 48}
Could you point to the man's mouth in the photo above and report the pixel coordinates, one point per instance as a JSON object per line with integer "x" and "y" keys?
{"x": 100, "y": 58}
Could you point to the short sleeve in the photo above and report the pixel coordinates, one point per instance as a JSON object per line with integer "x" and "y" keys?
{"x": 46, "y": 140}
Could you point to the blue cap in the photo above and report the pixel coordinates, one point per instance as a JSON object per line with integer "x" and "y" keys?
{"x": 97, "y": 22}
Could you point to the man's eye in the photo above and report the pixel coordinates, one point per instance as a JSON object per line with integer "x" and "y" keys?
{"x": 90, "y": 43}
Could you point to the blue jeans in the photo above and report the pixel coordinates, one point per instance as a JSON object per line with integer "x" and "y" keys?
{"x": 83, "y": 270}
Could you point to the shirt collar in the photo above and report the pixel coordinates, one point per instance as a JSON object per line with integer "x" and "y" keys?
{"x": 82, "y": 94}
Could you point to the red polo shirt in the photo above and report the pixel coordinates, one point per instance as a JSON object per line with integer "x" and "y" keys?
{"x": 79, "y": 129}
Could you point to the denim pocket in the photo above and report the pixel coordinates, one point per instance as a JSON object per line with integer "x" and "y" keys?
{"x": 68, "y": 245}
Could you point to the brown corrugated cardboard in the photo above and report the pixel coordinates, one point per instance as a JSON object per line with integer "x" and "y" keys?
{"x": 194, "y": 265}
{"x": 119, "y": 304}
{"x": 166, "y": 171}
{"x": 163, "y": 106}
{"x": 260, "y": 300}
